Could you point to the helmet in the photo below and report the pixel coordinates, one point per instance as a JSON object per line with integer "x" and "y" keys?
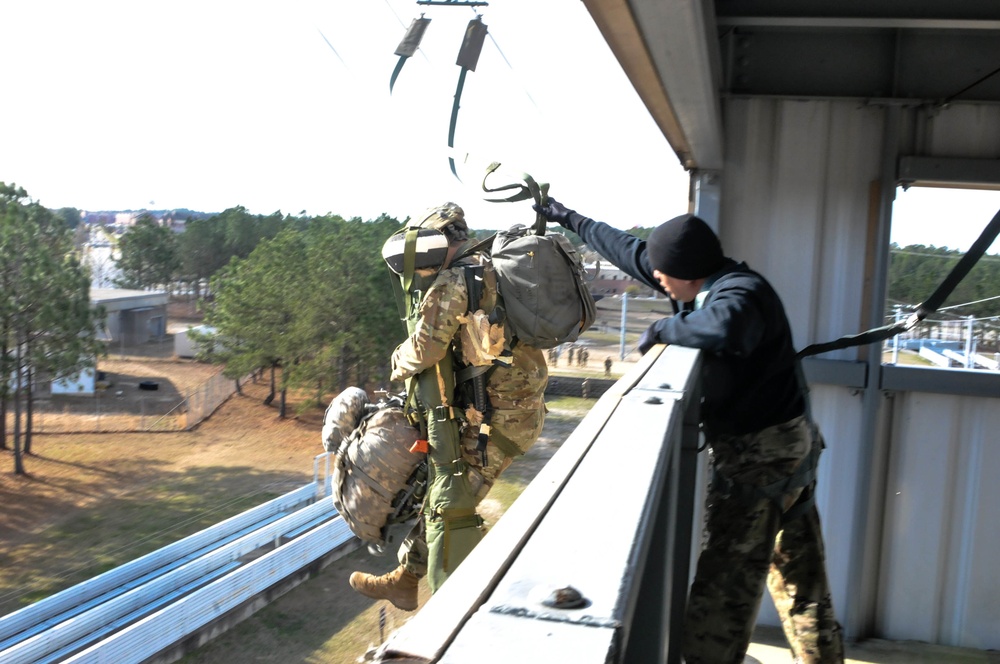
{"x": 441, "y": 216}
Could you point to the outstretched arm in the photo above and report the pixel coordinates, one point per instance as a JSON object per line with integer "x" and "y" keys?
{"x": 624, "y": 250}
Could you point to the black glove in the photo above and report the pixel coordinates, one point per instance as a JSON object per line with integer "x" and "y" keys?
{"x": 555, "y": 211}
{"x": 648, "y": 339}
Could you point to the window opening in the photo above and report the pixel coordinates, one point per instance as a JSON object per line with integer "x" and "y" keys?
{"x": 932, "y": 228}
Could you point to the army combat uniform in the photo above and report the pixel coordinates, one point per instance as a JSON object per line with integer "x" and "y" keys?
{"x": 516, "y": 393}
{"x": 762, "y": 525}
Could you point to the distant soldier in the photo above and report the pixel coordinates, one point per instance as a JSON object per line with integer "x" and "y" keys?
{"x": 570, "y": 356}
{"x": 607, "y": 366}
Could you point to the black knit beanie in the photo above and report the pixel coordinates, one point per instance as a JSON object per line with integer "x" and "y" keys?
{"x": 685, "y": 248}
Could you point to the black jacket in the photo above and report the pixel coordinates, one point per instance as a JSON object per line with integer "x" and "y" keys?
{"x": 750, "y": 379}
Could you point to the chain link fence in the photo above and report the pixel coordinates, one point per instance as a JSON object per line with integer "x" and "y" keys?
{"x": 126, "y": 410}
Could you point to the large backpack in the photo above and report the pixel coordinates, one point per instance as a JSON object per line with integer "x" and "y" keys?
{"x": 542, "y": 295}
{"x": 377, "y": 481}
{"x": 541, "y": 286}
{"x": 540, "y": 278}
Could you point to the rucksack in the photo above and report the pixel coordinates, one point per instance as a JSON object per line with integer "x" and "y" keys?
{"x": 542, "y": 295}
{"x": 376, "y": 480}
{"x": 541, "y": 286}
{"x": 541, "y": 283}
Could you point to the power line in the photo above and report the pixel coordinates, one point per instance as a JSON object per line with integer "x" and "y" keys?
{"x": 956, "y": 306}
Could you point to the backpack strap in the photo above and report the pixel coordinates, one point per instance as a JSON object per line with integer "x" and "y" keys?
{"x": 539, "y": 192}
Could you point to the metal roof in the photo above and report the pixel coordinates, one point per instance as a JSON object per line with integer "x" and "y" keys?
{"x": 684, "y": 56}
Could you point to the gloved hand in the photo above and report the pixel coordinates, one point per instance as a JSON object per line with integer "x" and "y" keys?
{"x": 555, "y": 211}
{"x": 648, "y": 339}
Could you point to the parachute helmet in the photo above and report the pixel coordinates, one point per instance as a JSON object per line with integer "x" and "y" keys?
{"x": 448, "y": 218}
{"x": 437, "y": 226}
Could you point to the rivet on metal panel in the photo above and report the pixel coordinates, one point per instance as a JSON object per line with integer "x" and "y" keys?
{"x": 565, "y": 598}
{"x": 654, "y": 400}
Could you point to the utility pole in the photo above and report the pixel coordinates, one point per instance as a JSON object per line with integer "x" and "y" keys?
{"x": 968, "y": 343}
{"x": 895, "y": 339}
{"x": 621, "y": 346}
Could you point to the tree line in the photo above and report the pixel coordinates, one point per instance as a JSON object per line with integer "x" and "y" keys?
{"x": 315, "y": 300}
{"x": 47, "y": 326}
{"x": 915, "y": 272}
{"x": 308, "y": 295}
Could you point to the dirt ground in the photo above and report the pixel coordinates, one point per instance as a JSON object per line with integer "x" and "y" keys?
{"x": 84, "y": 493}
{"x": 76, "y": 514}
{"x": 91, "y": 502}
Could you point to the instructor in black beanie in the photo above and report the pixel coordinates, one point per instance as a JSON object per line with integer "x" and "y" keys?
{"x": 763, "y": 526}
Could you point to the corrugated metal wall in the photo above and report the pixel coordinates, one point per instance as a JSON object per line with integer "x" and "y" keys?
{"x": 939, "y": 577}
{"x": 797, "y": 204}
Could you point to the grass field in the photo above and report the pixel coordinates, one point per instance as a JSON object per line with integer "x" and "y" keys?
{"x": 95, "y": 501}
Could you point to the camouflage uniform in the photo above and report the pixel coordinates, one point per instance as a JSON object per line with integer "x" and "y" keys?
{"x": 516, "y": 393}
{"x": 755, "y": 416}
{"x": 750, "y": 537}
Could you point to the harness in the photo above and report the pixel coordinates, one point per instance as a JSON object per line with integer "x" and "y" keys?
{"x": 924, "y": 309}
{"x": 469, "y": 381}
{"x": 474, "y": 378}
{"x": 805, "y": 474}
{"x": 803, "y": 478}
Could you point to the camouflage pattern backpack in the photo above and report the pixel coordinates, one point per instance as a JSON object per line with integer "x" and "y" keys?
{"x": 376, "y": 480}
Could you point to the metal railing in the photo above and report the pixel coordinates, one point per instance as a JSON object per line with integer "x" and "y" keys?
{"x": 138, "y": 609}
{"x": 603, "y": 529}
{"x": 609, "y": 517}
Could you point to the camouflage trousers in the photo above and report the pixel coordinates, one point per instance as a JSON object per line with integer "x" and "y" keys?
{"x": 748, "y": 546}
{"x": 413, "y": 552}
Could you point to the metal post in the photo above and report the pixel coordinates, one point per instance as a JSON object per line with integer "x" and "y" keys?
{"x": 968, "y": 343}
{"x": 862, "y": 585}
{"x": 706, "y": 187}
{"x": 895, "y": 339}
{"x": 621, "y": 346}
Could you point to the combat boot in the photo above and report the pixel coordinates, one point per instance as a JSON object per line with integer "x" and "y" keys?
{"x": 398, "y": 586}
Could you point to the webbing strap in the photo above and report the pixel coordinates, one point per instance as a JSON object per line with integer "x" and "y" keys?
{"x": 409, "y": 266}
{"x": 801, "y": 478}
{"x": 538, "y": 192}
{"x": 926, "y": 308}
{"x": 454, "y": 119}
{"x": 355, "y": 471}
{"x": 409, "y": 45}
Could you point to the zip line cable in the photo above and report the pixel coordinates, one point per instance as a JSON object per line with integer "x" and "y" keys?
{"x": 966, "y": 304}
{"x": 981, "y": 79}
{"x": 331, "y": 47}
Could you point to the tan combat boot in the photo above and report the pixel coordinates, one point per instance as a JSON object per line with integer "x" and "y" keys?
{"x": 398, "y": 586}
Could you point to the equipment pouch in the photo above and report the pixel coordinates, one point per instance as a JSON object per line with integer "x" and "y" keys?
{"x": 452, "y": 534}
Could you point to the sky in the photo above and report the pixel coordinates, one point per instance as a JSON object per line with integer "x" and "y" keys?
{"x": 952, "y": 218}
{"x": 206, "y": 105}
{"x": 286, "y": 106}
